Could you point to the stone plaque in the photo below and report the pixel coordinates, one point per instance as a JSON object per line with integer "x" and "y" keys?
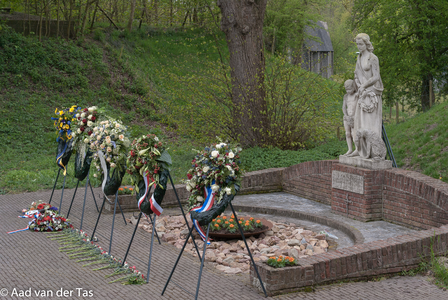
{"x": 347, "y": 182}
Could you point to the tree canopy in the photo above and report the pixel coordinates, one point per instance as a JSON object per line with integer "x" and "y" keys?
{"x": 411, "y": 39}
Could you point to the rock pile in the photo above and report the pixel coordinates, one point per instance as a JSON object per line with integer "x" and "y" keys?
{"x": 231, "y": 256}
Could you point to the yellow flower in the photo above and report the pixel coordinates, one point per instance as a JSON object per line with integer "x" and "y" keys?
{"x": 72, "y": 109}
{"x": 69, "y": 137}
{"x": 56, "y": 111}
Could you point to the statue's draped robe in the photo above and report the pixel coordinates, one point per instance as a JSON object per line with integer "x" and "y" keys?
{"x": 371, "y": 121}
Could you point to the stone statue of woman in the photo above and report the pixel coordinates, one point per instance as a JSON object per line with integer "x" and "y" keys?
{"x": 368, "y": 114}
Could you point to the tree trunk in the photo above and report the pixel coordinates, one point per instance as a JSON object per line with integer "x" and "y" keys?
{"x": 242, "y": 22}
{"x": 70, "y": 19}
{"x": 57, "y": 18}
{"x": 425, "y": 96}
{"x": 131, "y": 15}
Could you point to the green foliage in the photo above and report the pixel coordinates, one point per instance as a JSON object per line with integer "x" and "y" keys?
{"x": 301, "y": 106}
{"x": 264, "y": 158}
{"x": 411, "y": 41}
{"x": 285, "y": 21}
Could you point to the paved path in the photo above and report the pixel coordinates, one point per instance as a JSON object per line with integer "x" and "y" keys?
{"x": 28, "y": 260}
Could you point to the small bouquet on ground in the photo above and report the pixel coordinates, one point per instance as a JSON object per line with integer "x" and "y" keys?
{"x": 50, "y": 220}
{"x": 110, "y": 144}
{"x": 45, "y": 217}
{"x": 216, "y": 166}
{"x": 281, "y": 261}
{"x": 148, "y": 163}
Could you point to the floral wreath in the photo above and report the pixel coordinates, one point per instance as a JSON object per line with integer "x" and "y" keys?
{"x": 146, "y": 157}
{"x": 109, "y": 141}
{"x": 62, "y": 122}
{"x": 85, "y": 120}
{"x": 216, "y": 166}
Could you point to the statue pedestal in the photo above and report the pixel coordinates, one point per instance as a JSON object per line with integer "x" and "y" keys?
{"x": 370, "y": 164}
{"x": 356, "y": 189}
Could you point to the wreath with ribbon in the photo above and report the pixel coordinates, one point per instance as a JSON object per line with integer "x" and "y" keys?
{"x": 110, "y": 145}
{"x": 85, "y": 120}
{"x": 62, "y": 122}
{"x": 213, "y": 180}
{"x": 148, "y": 164}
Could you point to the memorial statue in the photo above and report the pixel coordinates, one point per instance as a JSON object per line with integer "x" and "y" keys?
{"x": 368, "y": 112}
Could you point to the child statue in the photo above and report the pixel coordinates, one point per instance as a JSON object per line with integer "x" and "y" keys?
{"x": 349, "y": 108}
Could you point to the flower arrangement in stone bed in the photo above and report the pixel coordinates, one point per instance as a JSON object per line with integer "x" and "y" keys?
{"x": 109, "y": 138}
{"x": 281, "y": 261}
{"x": 125, "y": 190}
{"x": 216, "y": 166}
{"x": 79, "y": 246}
{"x": 147, "y": 155}
{"x": 227, "y": 224}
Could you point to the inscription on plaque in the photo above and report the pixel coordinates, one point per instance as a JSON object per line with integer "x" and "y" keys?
{"x": 347, "y": 182}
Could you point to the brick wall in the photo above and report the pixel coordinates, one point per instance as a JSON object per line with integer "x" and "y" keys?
{"x": 310, "y": 180}
{"x": 414, "y": 199}
{"x": 363, "y": 207}
{"x": 360, "y": 261}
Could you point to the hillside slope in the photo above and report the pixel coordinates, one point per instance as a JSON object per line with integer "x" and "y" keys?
{"x": 421, "y": 143}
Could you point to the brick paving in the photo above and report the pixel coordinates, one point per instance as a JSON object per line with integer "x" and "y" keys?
{"x": 30, "y": 260}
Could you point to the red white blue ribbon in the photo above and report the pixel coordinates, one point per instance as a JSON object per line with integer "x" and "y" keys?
{"x": 208, "y": 204}
{"x": 14, "y": 231}
{"x": 155, "y": 207}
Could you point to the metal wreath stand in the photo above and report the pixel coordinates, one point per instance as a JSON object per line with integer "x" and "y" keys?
{"x": 154, "y": 231}
{"x": 206, "y": 217}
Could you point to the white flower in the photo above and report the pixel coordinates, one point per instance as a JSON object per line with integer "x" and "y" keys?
{"x": 92, "y": 108}
{"x": 77, "y": 115}
{"x": 98, "y": 137}
{"x": 108, "y": 140}
{"x": 101, "y": 129}
{"x": 228, "y": 190}
{"x": 95, "y": 129}
{"x": 90, "y": 117}
{"x": 156, "y": 139}
{"x": 229, "y": 168}
{"x": 83, "y": 115}
{"x": 94, "y": 175}
{"x": 112, "y": 165}
{"x": 199, "y": 199}
{"x": 188, "y": 188}
{"x": 73, "y": 134}
{"x": 86, "y": 140}
{"x": 117, "y": 125}
{"x": 220, "y": 145}
{"x": 206, "y": 169}
{"x": 108, "y": 159}
{"x": 215, "y": 187}
{"x": 215, "y": 153}
{"x": 78, "y": 131}
{"x": 231, "y": 154}
{"x": 121, "y": 137}
{"x": 89, "y": 123}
